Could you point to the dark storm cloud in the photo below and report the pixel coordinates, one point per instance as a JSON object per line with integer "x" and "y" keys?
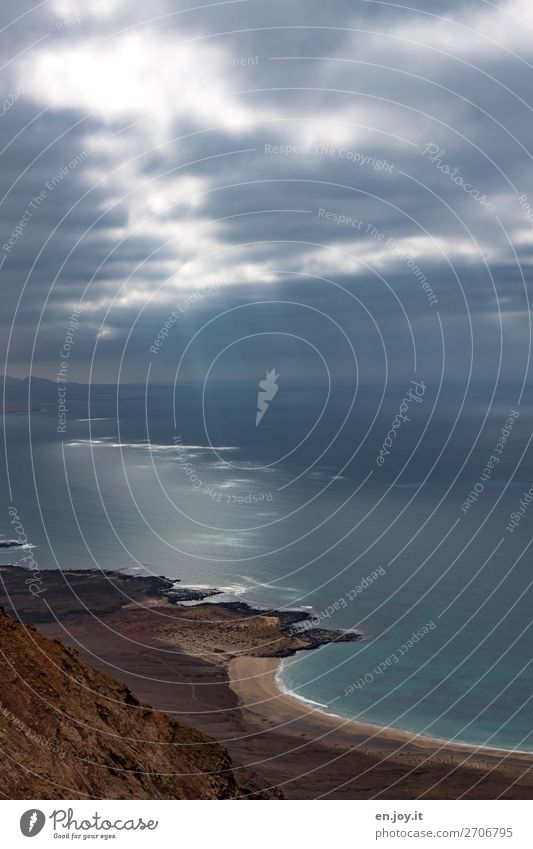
{"x": 404, "y": 123}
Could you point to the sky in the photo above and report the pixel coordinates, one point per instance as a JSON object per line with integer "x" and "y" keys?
{"x": 202, "y": 191}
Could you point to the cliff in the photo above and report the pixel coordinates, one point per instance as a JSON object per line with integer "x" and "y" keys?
{"x": 68, "y": 730}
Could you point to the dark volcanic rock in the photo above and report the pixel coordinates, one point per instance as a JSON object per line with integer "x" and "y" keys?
{"x": 182, "y": 594}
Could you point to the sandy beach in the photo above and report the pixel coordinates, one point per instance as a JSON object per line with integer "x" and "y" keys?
{"x": 213, "y": 666}
{"x": 254, "y": 681}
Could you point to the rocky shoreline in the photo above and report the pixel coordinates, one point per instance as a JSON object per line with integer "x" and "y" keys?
{"x": 292, "y": 626}
{"x": 212, "y": 664}
{"x": 291, "y": 622}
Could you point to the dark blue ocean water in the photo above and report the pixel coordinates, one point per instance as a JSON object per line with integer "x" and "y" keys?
{"x": 297, "y": 513}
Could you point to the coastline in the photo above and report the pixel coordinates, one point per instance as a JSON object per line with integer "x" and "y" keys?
{"x": 213, "y": 664}
{"x": 256, "y": 681}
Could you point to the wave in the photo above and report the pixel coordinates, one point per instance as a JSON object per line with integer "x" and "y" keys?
{"x": 325, "y": 476}
{"x": 280, "y": 684}
{"x": 229, "y": 589}
{"x": 269, "y": 586}
{"x": 390, "y": 729}
{"x": 15, "y": 543}
{"x": 207, "y": 447}
{"x": 111, "y": 442}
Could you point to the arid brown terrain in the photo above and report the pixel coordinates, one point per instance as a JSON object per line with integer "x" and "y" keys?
{"x": 210, "y": 666}
{"x": 68, "y": 730}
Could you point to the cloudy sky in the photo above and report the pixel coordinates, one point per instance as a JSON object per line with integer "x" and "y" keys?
{"x": 343, "y": 186}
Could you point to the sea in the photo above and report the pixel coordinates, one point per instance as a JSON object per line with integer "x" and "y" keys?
{"x": 378, "y": 512}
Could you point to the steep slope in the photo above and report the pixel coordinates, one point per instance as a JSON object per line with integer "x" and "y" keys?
{"x": 70, "y": 731}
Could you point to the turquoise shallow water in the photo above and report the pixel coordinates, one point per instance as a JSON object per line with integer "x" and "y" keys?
{"x": 430, "y": 694}
{"x": 388, "y": 557}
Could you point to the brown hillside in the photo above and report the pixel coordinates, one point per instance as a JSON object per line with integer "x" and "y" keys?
{"x": 70, "y": 731}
